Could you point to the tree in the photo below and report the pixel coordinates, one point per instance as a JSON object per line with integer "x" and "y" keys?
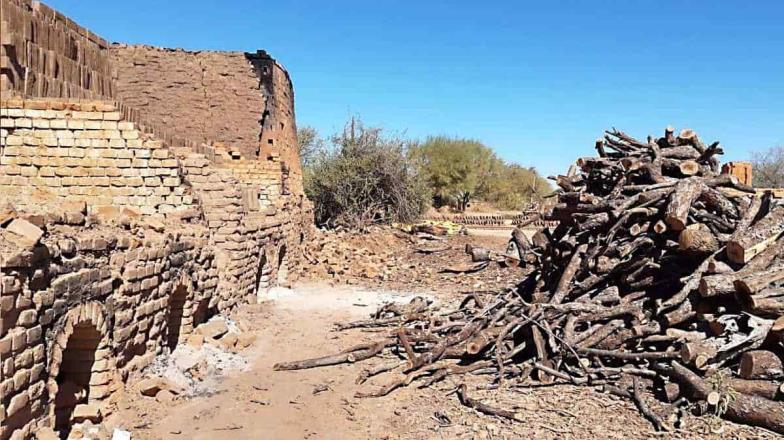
{"x": 456, "y": 169}
{"x": 768, "y": 167}
{"x": 515, "y": 186}
{"x": 310, "y": 144}
{"x": 365, "y": 177}
{"x": 459, "y": 170}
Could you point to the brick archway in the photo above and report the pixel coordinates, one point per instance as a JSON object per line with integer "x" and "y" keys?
{"x": 179, "y": 317}
{"x": 81, "y": 367}
{"x": 283, "y": 266}
{"x": 262, "y": 275}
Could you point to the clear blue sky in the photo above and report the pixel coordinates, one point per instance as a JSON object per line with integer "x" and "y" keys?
{"x": 537, "y": 81}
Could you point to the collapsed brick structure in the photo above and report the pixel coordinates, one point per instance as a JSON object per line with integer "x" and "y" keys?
{"x": 142, "y": 190}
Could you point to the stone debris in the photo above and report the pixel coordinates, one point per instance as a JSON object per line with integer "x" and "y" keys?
{"x": 213, "y": 329}
{"x": 23, "y": 232}
{"x": 120, "y": 434}
{"x": 137, "y": 201}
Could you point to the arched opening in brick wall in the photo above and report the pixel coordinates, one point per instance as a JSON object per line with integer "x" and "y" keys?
{"x": 203, "y": 312}
{"x": 283, "y": 267}
{"x": 82, "y": 369}
{"x": 262, "y": 276}
{"x": 176, "y": 314}
{"x": 76, "y": 369}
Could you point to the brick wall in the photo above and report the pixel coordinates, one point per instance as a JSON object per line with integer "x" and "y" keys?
{"x": 113, "y": 253}
{"x": 184, "y": 188}
{"x": 45, "y": 54}
{"x": 113, "y": 283}
{"x": 223, "y": 97}
{"x": 279, "y": 131}
{"x": 85, "y": 151}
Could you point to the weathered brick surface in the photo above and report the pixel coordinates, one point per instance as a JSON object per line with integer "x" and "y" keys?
{"x": 89, "y": 156}
{"x": 115, "y": 235}
{"x": 111, "y": 208}
{"x": 206, "y": 96}
{"x": 43, "y": 53}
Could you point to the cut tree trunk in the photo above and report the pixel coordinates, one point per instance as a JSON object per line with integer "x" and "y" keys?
{"x": 763, "y": 388}
{"x": 699, "y": 353}
{"x": 757, "y": 237}
{"x": 751, "y": 284}
{"x": 686, "y": 192}
{"x": 767, "y": 303}
{"x": 479, "y": 254}
{"x": 697, "y": 239}
{"x": 760, "y": 364}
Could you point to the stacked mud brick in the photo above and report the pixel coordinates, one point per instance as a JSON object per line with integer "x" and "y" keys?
{"x": 43, "y": 53}
{"x": 83, "y": 151}
{"x": 86, "y": 302}
{"x": 122, "y": 227}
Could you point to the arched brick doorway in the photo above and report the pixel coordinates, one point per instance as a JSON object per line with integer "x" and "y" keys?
{"x": 177, "y": 301}
{"x": 283, "y": 267}
{"x": 202, "y": 312}
{"x": 82, "y": 369}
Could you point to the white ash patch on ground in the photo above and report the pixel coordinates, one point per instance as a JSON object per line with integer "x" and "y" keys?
{"x": 198, "y": 370}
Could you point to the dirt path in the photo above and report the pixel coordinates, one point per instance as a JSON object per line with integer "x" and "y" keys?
{"x": 266, "y": 404}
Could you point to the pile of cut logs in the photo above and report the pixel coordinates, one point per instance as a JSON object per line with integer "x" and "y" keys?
{"x": 661, "y": 274}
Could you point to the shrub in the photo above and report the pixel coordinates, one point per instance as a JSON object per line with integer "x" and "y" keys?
{"x": 364, "y": 178}
{"x": 768, "y": 168}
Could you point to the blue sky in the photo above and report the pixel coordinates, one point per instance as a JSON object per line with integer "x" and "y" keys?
{"x": 537, "y": 81}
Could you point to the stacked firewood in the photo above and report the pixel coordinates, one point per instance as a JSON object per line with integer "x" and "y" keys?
{"x": 660, "y": 271}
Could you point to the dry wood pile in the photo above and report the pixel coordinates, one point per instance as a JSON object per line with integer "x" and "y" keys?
{"x": 661, "y": 274}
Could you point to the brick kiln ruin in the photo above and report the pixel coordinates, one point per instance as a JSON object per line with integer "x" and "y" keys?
{"x": 142, "y": 190}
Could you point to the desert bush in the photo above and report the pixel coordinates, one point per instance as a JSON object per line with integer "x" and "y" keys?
{"x": 768, "y": 168}
{"x": 515, "y": 186}
{"x": 364, "y": 177}
{"x": 311, "y": 145}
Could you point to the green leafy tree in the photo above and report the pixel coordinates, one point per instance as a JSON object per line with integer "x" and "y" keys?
{"x": 310, "y": 144}
{"x": 460, "y": 170}
{"x": 456, "y": 169}
{"x": 515, "y": 186}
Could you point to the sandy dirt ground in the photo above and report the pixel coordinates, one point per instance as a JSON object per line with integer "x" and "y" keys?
{"x": 249, "y": 400}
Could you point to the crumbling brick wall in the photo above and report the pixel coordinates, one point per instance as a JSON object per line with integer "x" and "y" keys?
{"x": 111, "y": 245}
{"x": 243, "y": 101}
{"x": 45, "y": 54}
{"x": 122, "y": 230}
{"x": 85, "y": 271}
{"x": 279, "y": 132}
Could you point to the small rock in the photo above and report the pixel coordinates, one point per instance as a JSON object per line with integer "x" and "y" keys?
{"x": 7, "y": 213}
{"x": 164, "y": 396}
{"x": 245, "y": 340}
{"x": 195, "y": 340}
{"x": 155, "y": 224}
{"x": 152, "y": 386}
{"x": 86, "y": 411}
{"x": 46, "y": 434}
{"x": 229, "y": 340}
{"x": 120, "y": 434}
{"x": 213, "y": 329}
{"x": 26, "y": 233}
